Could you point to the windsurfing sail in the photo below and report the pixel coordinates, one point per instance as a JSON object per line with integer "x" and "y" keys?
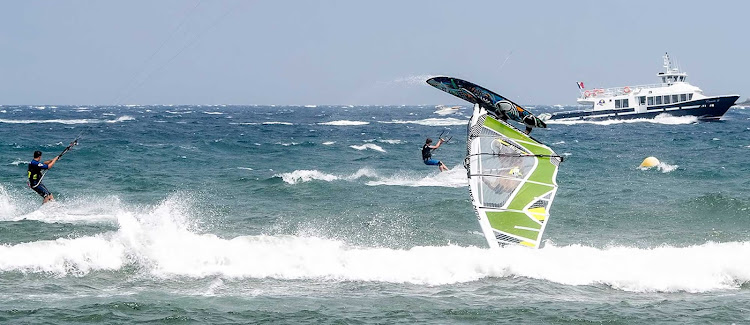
{"x": 512, "y": 179}
{"x": 512, "y": 176}
{"x": 499, "y": 106}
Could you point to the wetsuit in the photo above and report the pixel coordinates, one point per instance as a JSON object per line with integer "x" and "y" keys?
{"x": 427, "y": 156}
{"x": 35, "y": 177}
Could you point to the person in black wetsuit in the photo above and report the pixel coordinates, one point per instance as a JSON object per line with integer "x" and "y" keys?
{"x": 35, "y": 175}
{"x": 427, "y": 154}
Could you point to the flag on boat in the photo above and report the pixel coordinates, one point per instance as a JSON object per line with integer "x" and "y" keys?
{"x": 580, "y": 84}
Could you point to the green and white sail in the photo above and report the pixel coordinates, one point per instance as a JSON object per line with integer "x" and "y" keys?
{"x": 512, "y": 181}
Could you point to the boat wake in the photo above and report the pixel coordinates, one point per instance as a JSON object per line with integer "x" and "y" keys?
{"x": 659, "y": 119}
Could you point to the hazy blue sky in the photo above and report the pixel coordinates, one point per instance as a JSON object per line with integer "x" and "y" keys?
{"x": 358, "y": 52}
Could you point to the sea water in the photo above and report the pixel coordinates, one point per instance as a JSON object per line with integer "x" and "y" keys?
{"x": 326, "y": 214}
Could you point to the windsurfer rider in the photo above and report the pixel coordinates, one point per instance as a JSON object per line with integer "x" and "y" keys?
{"x": 427, "y": 154}
{"x": 35, "y": 175}
{"x": 528, "y": 121}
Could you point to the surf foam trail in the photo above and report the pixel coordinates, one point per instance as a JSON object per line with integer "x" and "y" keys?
{"x": 455, "y": 177}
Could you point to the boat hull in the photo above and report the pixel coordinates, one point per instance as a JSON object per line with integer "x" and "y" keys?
{"x": 711, "y": 108}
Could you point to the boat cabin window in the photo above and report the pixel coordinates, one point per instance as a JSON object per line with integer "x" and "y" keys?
{"x": 642, "y": 100}
{"x": 683, "y": 97}
{"x": 666, "y": 99}
{"x": 625, "y": 103}
{"x": 663, "y": 80}
{"x": 618, "y": 103}
{"x": 690, "y": 96}
{"x": 674, "y": 98}
{"x": 682, "y": 78}
{"x": 651, "y": 100}
{"x": 657, "y": 100}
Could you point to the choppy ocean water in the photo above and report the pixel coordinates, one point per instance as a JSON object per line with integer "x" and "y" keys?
{"x": 293, "y": 214}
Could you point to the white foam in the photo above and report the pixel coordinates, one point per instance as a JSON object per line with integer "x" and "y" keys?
{"x": 302, "y": 176}
{"x": 18, "y": 162}
{"x": 122, "y": 119}
{"x": 277, "y": 123}
{"x": 213, "y": 113}
{"x": 328, "y": 143}
{"x": 663, "y": 118}
{"x": 77, "y": 210}
{"x": 162, "y": 241}
{"x": 344, "y": 123}
{"x": 7, "y": 205}
{"x": 366, "y": 146}
{"x": 70, "y": 121}
{"x": 391, "y": 141}
{"x": 455, "y": 177}
{"x": 662, "y": 167}
{"x": 430, "y": 122}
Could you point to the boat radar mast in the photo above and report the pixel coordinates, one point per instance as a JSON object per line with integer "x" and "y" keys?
{"x": 671, "y": 75}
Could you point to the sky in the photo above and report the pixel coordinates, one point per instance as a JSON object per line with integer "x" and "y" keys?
{"x": 283, "y": 52}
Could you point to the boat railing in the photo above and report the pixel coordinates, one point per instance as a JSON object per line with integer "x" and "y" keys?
{"x": 616, "y": 91}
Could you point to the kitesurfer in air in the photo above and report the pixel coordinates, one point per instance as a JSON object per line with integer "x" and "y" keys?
{"x": 427, "y": 154}
{"x": 35, "y": 175}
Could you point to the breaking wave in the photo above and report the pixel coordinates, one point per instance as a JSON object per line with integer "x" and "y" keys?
{"x": 70, "y": 121}
{"x": 366, "y": 146}
{"x": 302, "y": 176}
{"x": 165, "y": 242}
{"x": 430, "y": 122}
{"x": 344, "y": 123}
